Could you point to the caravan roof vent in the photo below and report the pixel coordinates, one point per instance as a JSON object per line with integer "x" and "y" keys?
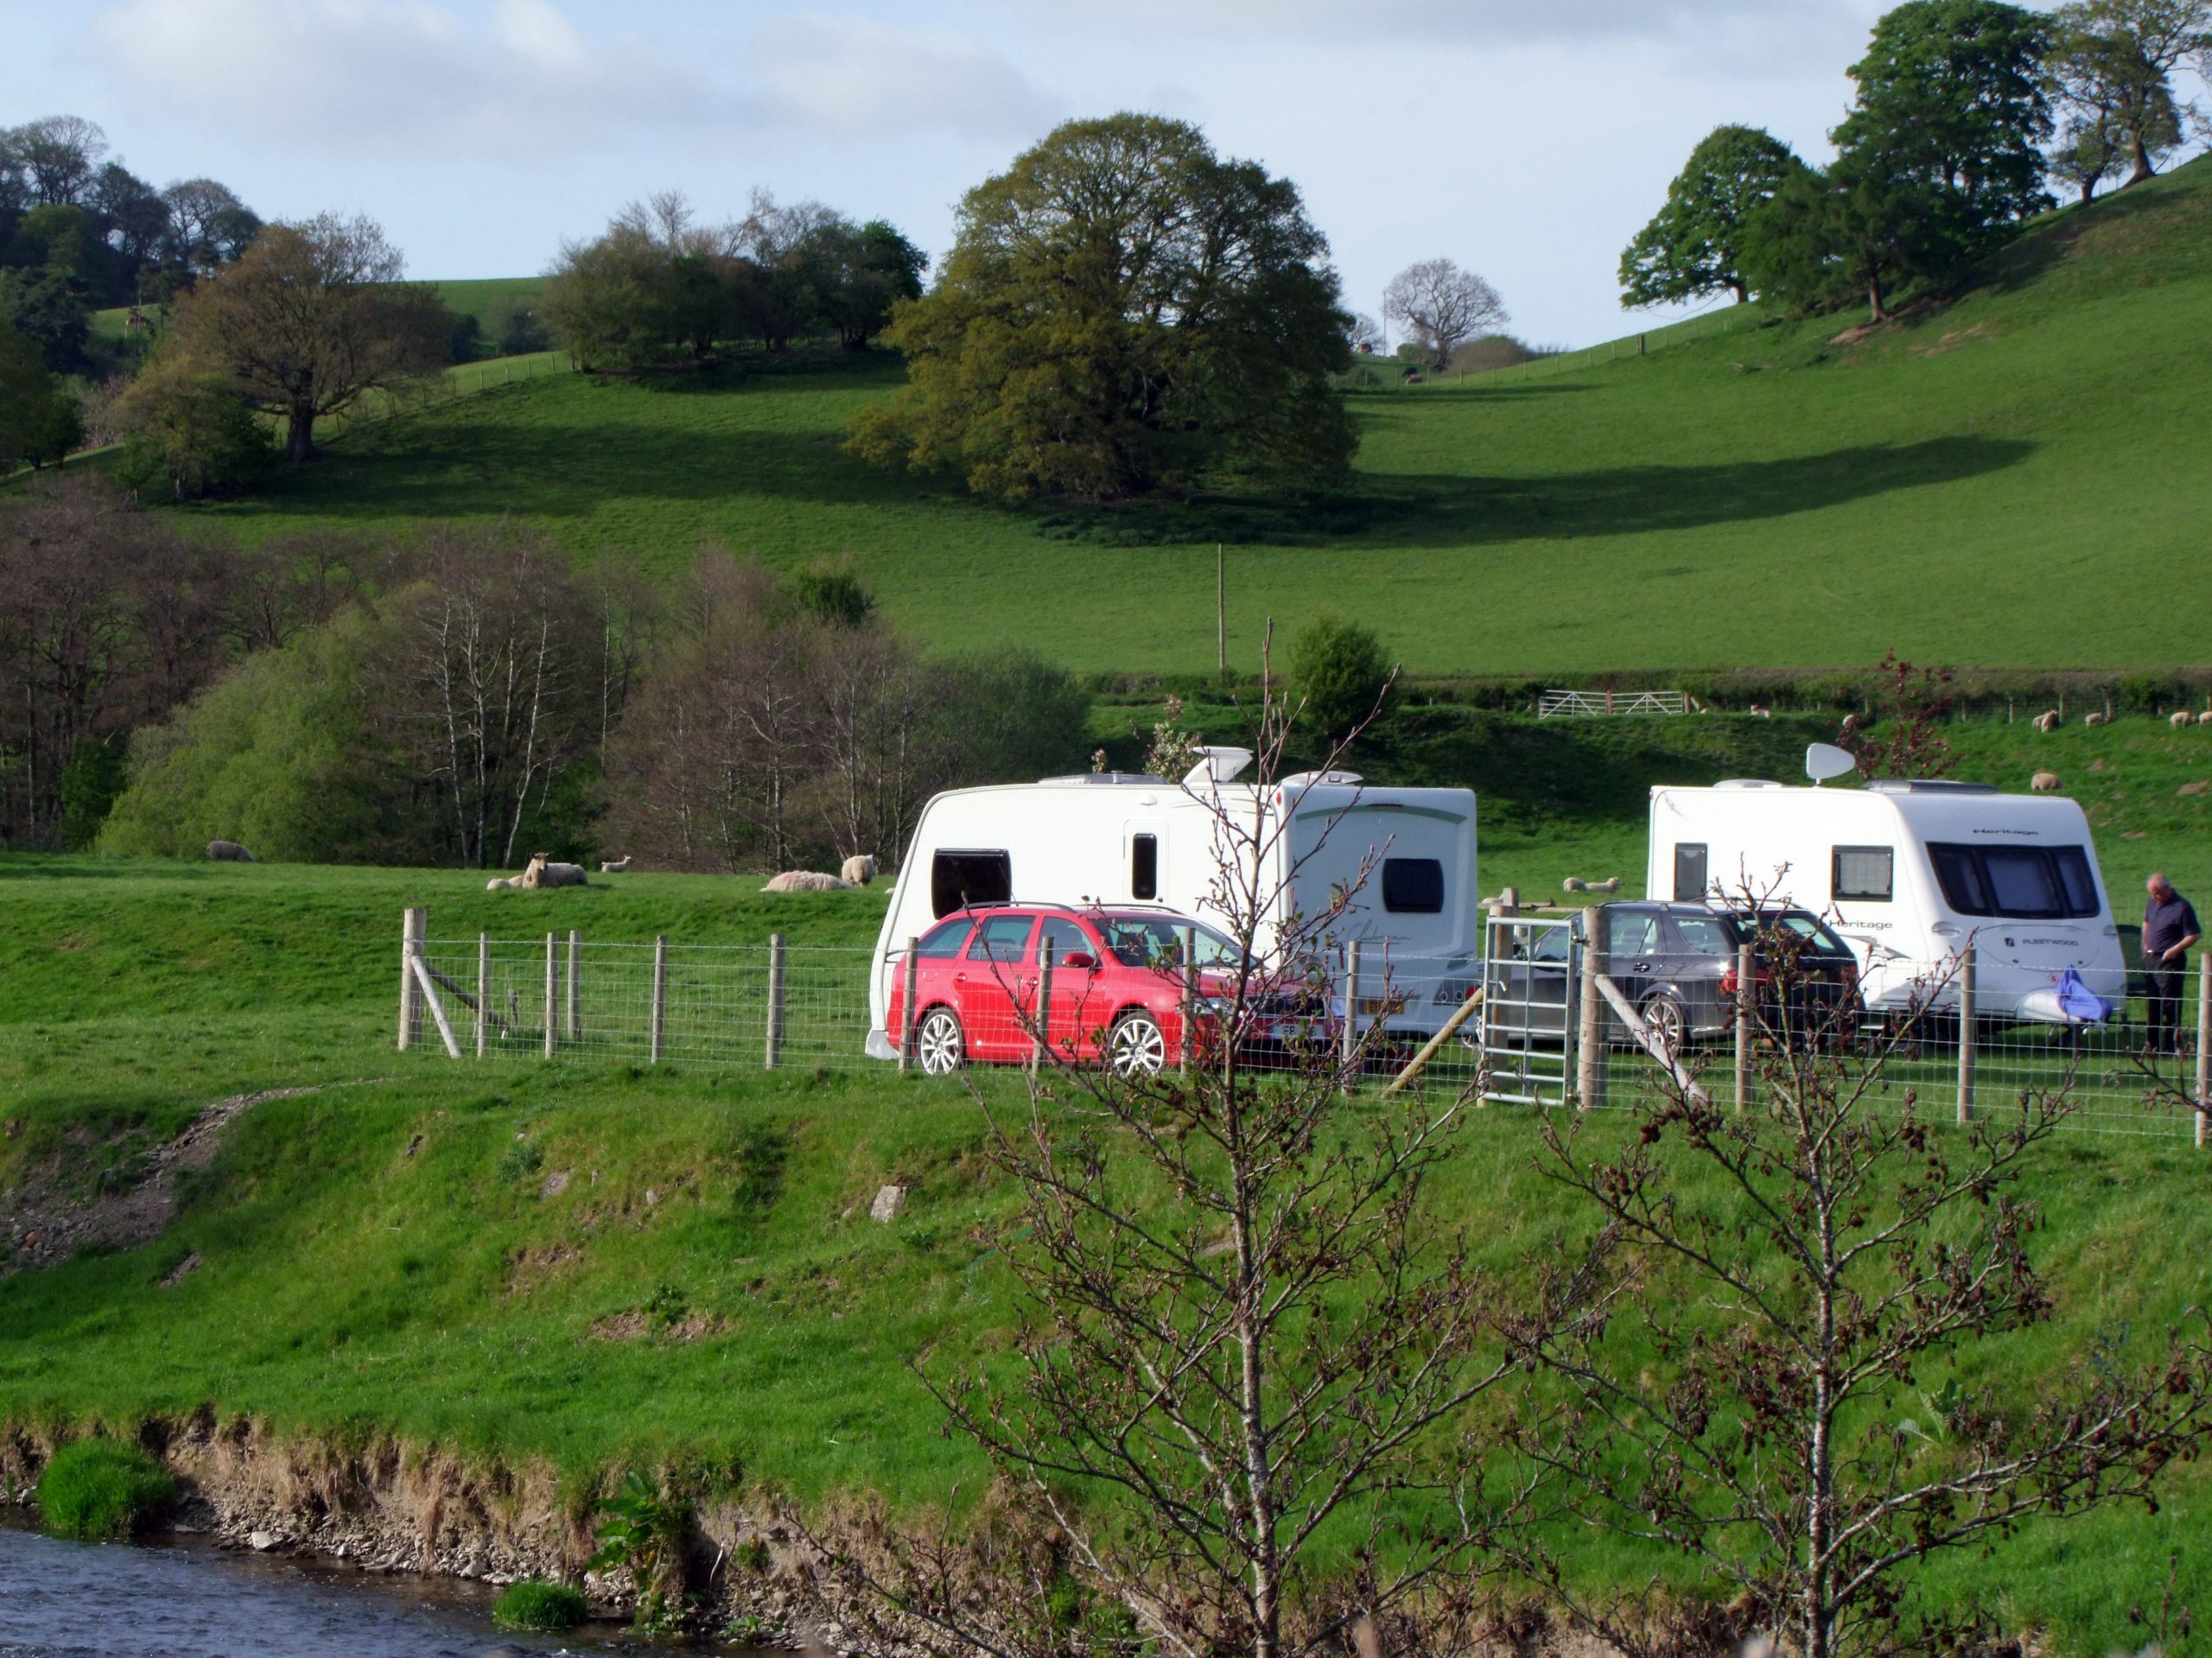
{"x": 1747, "y": 783}
{"x": 1930, "y": 786}
{"x": 1101, "y": 779}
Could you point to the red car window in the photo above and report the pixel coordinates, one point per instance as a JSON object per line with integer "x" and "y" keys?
{"x": 1066, "y": 938}
{"x": 1002, "y": 938}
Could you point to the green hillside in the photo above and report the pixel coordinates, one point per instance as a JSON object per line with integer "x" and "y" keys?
{"x": 479, "y": 296}
{"x": 2016, "y": 479}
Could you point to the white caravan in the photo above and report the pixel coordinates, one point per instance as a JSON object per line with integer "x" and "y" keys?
{"x": 1113, "y": 838}
{"x": 1908, "y": 874}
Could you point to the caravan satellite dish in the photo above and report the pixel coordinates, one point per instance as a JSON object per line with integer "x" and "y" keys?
{"x": 1826, "y": 760}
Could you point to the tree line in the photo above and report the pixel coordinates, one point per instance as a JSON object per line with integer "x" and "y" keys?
{"x": 463, "y": 696}
{"x": 1940, "y": 158}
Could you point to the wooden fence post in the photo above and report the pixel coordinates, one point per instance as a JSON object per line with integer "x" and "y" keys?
{"x": 1965, "y": 1034}
{"x": 910, "y": 1017}
{"x": 483, "y": 990}
{"x": 574, "y": 1028}
{"x": 1041, "y": 1044}
{"x": 1590, "y": 1056}
{"x": 2203, "y": 1044}
{"x": 552, "y": 990}
{"x": 412, "y": 926}
{"x": 1351, "y": 1033}
{"x": 660, "y": 997}
{"x": 1187, "y": 937}
{"x": 1744, "y": 983}
{"x": 775, "y": 1048}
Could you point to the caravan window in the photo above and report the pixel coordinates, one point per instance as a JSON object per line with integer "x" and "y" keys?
{"x": 1413, "y": 886}
{"x": 2020, "y": 883}
{"x": 1863, "y": 873}
{"x": 958, "y": 878}
{"x": 1144, "y": 865}
{"x": 1689, "y": 871}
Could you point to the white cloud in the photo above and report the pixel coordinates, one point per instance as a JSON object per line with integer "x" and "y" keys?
{"x": 847, "y": 75}
{"x": 1353, "y": 23}
{"x": 524, "y": 81}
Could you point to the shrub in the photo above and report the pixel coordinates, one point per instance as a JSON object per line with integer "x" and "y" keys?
{"x": 101, "y": 1490}
{"x": 530, "y": 1604}
{"x": 1339, "y": 670}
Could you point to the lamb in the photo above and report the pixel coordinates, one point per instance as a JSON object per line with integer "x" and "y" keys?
{"x": 2045, "y": 783}
{"x": 2096, "y": 717}
{"x": 1576, "y": 884}
{"x": 503, "y": 883}
{"x": 2048, "y": 720}
{"x": 805, "y": 880}
{"x": 2185, "y": 718}
{"x": 617, "y": 866}
{"x": 228, "y": 851}
{"x": 858, "y": 869}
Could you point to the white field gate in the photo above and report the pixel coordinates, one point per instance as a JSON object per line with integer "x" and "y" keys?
{"x": 1532, "y": 973}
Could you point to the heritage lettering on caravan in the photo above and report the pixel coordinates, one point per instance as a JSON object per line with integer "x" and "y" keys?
{"x": 1908, "y": 873}
{"x": 1120, "y": 838}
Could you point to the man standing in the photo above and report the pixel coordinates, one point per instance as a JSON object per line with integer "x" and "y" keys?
{"x": 2169, "y": 929}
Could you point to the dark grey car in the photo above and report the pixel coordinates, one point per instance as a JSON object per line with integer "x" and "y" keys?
{"x": 1676, "y": 963}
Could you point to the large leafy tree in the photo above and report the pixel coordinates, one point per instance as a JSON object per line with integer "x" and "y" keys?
{"x": 312, "y": 316}
{"x": 1693, "y": 244}
{"x": 1122, "y": 312}
{"x": 2109, "y": 73}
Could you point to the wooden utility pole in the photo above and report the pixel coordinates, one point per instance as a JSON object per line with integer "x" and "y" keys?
{"x": 1221, "y": 610}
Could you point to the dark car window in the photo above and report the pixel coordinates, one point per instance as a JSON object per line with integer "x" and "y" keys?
{"x": 1632, "y": 932}
{"x": 945, "y": 940}
{"x": 1002, "y": 938}
{"x": 1066, "y": 938}
{"x": 1413, "y": 886}
{"x": 1705, "y": 935}
{"x": 1151, "y": 941}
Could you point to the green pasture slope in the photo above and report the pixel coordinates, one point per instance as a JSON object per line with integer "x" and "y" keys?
{"x": 386, "y": 1254}
{"x": 2018, "y": 479}
{"x": 478, "y": 296}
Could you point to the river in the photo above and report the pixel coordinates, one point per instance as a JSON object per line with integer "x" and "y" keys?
{"x": 186, "y": 1599}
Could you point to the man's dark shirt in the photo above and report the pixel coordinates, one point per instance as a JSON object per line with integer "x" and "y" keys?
{"x": 2166, "y": 924}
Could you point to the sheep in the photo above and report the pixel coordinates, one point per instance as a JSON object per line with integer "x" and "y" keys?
{"x": 2185, "y": 718}
{"x": 1850, "y": 724}
{"x": 2096, "y": 717}
{"x": 858, "y": 869}
{"x": 2045, "y": 783}
{"x": 228, "y": 851}
{"x": 2048, "y": 720}
{"x": 2205, "y": 718}
{"x": 1576, "y": 884}
{"x": 805, "y": 880}
{"x": 503, "y": 883}
{"x": 616, "y": 866}
{"x": 542, "y": 872}
{"x": 1758, "y": 713}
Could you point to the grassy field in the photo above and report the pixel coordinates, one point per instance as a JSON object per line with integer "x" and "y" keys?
{"x": 479, "y": 296}
{"x": 2016, "y": 479}
{"x": 390, "y": 1254}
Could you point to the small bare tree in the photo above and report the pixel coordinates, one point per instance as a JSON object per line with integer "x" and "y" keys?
{"x": 1771, "y": 1382}
{"x": 1907, "y": 740}
{"x": 1443, "y": 304}
{"x": 1242, "y": 1328}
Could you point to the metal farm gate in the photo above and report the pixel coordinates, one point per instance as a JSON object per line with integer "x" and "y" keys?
{"x": 1531, "y": 973}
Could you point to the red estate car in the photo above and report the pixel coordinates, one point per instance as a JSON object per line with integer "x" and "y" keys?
{"x": 1116, "y": 991}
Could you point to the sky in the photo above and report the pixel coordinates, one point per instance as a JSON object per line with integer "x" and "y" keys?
{"x": 1527, "y": 139}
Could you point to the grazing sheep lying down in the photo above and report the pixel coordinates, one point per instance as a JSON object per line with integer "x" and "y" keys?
{"x": 805, "y": 880}
{"x": 617, "y": 866}
{"x": 540, "y": 871}
{"x": 228, "y": 851}
{"x": 2045, "y": 783}
{"x": 858, "y": 869}
{"x": 1758, "y": 713}
{"x": 1576, "y": 884}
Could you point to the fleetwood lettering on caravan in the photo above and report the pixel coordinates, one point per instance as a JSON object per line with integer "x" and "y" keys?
{"x": 1116, "y": 838}
{"x": 1908, "y": 874}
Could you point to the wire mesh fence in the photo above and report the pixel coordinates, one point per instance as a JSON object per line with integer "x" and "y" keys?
{"x": 1524, "y": 1041}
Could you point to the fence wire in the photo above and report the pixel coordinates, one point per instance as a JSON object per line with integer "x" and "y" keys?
{"x": 808, "y": 1006}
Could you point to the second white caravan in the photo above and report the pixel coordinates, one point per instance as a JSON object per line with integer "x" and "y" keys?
{"x": 1908, "y": 874}
{"x": 1111, "y": 838}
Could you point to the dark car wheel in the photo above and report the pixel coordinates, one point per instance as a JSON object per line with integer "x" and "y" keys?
{"x": 1664, "y": 1014}
{"x": 1136, "y": 1046}
{"x": 939, "y": 1044}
